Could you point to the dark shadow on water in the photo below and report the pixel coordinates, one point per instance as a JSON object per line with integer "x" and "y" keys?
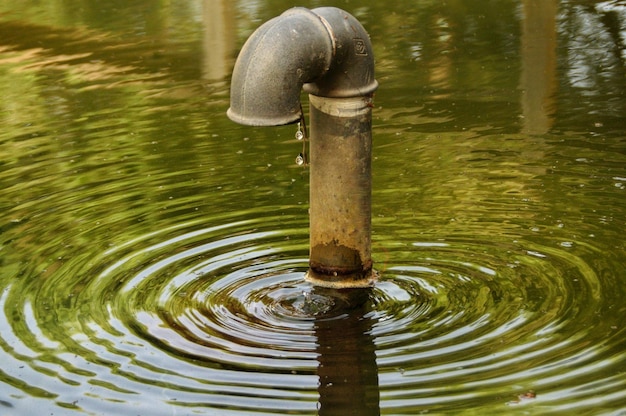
{"x": 347, "y": 370}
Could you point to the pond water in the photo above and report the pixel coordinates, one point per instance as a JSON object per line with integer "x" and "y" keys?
{"x": 153, "y": 253}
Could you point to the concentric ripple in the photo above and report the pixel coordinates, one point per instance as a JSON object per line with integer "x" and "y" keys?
{"x": 220, "y": 318}
{"x": 453, "y": 334}
{"x": 153, "y": 253}
{"x": 184, "y": 316}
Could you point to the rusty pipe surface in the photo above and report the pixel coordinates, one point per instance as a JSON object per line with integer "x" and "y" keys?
{"x": 326, "y": 51}
{"x": 340, "y": 192}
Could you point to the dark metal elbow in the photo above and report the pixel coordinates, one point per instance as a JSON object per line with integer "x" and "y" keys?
{"x": 325, "y": 50}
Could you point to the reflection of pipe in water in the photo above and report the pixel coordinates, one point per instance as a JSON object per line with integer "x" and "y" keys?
{"x": 326, "y": 51}
{"x": 539, "y": 80}
{"x": 347, "y": 370}
{"x": 218, "y": 41}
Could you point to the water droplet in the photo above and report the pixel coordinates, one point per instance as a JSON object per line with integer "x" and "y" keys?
{"x": 299, "y": 135}
{"x": 300, "y": 159}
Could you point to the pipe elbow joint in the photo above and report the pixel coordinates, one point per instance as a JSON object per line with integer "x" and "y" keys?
{"x": 325, "y": 50}
{"x": 351, "y": 73}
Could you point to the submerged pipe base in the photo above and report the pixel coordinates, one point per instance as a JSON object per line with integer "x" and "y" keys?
{"x": 362, "y": 279}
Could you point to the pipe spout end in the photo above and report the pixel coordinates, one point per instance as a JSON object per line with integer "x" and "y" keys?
{"x": 262, "y": 120}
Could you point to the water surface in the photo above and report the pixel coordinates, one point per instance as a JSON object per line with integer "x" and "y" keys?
{"x": 153, "y": 253}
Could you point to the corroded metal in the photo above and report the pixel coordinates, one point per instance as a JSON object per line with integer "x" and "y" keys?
{"x": 326, "y": 52}
{"x": 340, "y": 191}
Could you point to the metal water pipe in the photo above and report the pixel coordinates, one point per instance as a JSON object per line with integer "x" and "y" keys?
{"x": 326, "y": 52}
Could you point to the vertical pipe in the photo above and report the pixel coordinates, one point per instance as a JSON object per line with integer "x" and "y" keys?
{"x": 340, "y": 192}
{"x": 326, "y": 52}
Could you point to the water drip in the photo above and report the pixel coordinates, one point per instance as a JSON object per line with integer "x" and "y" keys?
{"x": 326, "y": 52}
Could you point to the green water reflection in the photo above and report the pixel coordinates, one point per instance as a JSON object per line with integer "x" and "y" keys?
{"x": 146, "y": 240}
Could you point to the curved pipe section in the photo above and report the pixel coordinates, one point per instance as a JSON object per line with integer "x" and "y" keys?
{"x": 325, "y": 50}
